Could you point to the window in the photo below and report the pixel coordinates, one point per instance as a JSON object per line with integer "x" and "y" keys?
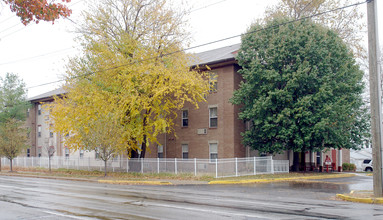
{"x": 81, "y": 153}
{"x": 39, "y": 151}
{"x": 28, "y": 152}
{"x": 213, "y": 151}
{"x": 213, "y": 117}
{"x": 213, "y": 82}
{"x": 51, "y": 131}
{"x": 185, "y": 151}
{"x": 248, "y": 125}
{"x": 160, "y": 150}
{"x": 66, "y": 152}
{"x": 39, "y": 109}
{"x": 28, "y": 110}
{"x": 185, "y": 119}
{"x": 39, "y": 131}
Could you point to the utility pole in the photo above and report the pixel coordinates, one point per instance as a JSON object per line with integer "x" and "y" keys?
{"x": 375, "y": 97}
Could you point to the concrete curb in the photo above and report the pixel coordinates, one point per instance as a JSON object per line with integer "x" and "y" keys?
{"x": 352, "y": 198}
{"x": 280, "y": 179}
{"x": 135, "y": 182}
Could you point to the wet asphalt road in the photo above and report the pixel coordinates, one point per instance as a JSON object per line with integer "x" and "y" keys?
{"x": 32, "y": 198}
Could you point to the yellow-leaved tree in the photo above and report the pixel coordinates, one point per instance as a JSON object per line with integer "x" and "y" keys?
{"x": 126, "y": 87}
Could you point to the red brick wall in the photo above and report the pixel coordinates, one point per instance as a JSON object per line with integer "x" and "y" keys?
{"x": 227, "y": 133}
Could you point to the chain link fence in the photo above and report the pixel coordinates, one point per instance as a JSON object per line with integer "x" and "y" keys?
{"x": 215, "y": 167}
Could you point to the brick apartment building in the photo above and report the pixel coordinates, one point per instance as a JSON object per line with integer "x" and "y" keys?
{"x": 211, "y": 131}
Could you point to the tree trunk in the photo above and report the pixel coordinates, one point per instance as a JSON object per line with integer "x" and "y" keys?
{"x": 49, "y": 164}
{"x": 311, "y": 162}
{"x": 105, "y": 162}
{"x": 295, "y": 161}
{"x": 134, "y": 154}
{"x": 143, "y": 148}
{"x": 303, "y": 160}
{"x": 11, "y": 164}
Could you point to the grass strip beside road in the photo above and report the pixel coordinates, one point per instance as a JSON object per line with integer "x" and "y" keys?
{"x": 182, "y": 178}
{"x": 135, "y": 182}
{"x": 282, "y": 179}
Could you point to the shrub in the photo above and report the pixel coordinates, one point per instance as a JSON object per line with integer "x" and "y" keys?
{"x": 348, "y": 167}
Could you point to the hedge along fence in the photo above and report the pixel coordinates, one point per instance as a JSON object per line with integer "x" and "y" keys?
{"x": 348, "y": 167}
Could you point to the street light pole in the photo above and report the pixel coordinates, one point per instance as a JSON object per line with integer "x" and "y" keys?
{"x": 375, "y": 97}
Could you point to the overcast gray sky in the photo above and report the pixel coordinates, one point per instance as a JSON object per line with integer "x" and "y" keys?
{"x": 38, "y": 52}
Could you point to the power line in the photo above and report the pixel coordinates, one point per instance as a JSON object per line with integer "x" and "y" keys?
{"x": 6, "y": 19}
{"x": 41, "y": 55}
{"x": 67, "y": 18}
{"x": 23, "y": 28}
{"x": 209, "y": 43}
{"x": 215, "y": 3}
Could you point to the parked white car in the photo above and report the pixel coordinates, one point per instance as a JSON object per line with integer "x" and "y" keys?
{"x": 367, "y": 165}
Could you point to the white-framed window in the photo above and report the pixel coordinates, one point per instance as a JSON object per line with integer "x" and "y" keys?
{"x": 248, "y": 125}
{"x": 39, "y": 131}
{"x": 213, "y": 82}
{"x": 213, "y": 151}
{"x": 213, "y": 117}
{"x": 185, "y": 118}
{"x": 160, "y": 151}
{"x": 28, "y": 152}
{"x": 185, "y": 151}
{"x": 66, "y": 152}
{"x": 39, "y": 109}
{"x": 51, "y": 130}
{"x": 39, "y": 151}
{"x": 81, "y": 153}
{"x": 97, "y": 153}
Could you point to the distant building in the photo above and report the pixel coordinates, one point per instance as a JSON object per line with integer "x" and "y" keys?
{"x": 211, "y": 131}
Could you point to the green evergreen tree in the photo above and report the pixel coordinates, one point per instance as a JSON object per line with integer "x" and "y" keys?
{"x": 13, "y": 98}
{"x": 13, "y": 108}
{"x": 301, "y": 90}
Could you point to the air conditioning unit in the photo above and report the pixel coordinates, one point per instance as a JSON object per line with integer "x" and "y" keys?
{"x": 202, "y": 131}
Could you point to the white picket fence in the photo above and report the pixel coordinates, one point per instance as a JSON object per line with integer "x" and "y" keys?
{"x": 217, "y": 167}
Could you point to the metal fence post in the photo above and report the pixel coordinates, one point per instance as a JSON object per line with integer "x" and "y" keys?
{"x": 175, "y": 165}
{"x": 272, "y": 165}
{"x": 255, "y": 167}
{"x": 127, "y": 165}
{"x": 216, "y": 168}
{"x": 158, "y": 165}
{"x": 236, "y": 166}
{"x": 195, "y": 166}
